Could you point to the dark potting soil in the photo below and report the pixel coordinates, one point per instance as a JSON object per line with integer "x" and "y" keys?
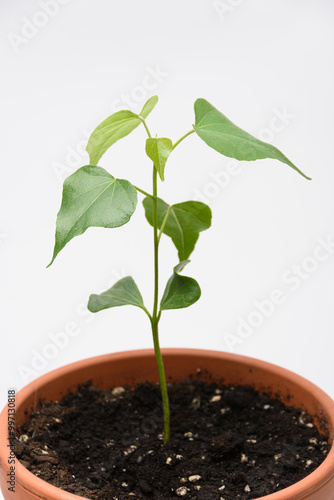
{"x": 227, "y": 443}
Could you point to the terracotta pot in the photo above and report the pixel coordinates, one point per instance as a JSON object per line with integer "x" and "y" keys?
{"x": 134, "y": 366}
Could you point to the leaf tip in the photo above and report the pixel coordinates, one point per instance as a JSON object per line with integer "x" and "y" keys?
{"x": 199, "y": 99}
{"x": 90, "y": 305}
{"x": 51, "y": 262}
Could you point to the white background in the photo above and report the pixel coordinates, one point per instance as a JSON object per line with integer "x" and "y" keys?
{"x": 254, "y": 60}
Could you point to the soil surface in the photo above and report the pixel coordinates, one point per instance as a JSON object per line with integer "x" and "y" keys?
{"x": 227, "y": 443}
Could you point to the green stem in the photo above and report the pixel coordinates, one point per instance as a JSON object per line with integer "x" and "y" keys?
{"x": 163, "y": 384}
{"x": 156, "y": 315}
{"x": 164, "y": 223}
{"x": 147, "y": 312}
{"x": 146, "y": 127}
{"x": 183, "y": 137}
{"x": 156, "y": 243}
{"x": 155, "y": 318}
{"x": 143, "y": 192}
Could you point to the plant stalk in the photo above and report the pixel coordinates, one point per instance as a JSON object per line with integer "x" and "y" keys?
{"x": 155, "y": 318}
{"x": 163, "y": 383}
{"x": 156, "y": 243}
{"x": 156, "y": 314}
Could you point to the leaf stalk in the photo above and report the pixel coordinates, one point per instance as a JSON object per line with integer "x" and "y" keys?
{"x": 182, "y": 138}
{"x": 164, "y": 223}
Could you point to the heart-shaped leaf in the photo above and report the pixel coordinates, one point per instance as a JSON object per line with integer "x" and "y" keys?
{"x": 180, "y": 291}
{"x": 184, "y": 222}
{"x": 218, "y": 132}
{"x": 92, "y": 197}
{"x": 158, "y": 150}
{"x": 115, "y": 127}
{"x": 124, "y": 292}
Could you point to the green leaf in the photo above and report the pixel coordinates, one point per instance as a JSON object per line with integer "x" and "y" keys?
{"x": 112, "y": 129}
{"x": 184, "y": 222}
{"x": 149, "y": 106}
{"x": 117, "y": 126}
{"x": 218, "y": 132}
{"x": 158, "y": 150}
{"x": 92, "y": 197}
{"x": 124, "y": 292}
{"x": 181, "y": 291}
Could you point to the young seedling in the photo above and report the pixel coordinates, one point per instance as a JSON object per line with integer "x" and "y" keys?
{"x": 94, "y": 198}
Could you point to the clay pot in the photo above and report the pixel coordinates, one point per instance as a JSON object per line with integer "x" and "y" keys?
{"x": 134, "y": 366}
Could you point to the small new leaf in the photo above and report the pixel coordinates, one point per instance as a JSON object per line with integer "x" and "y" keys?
{"x": 115, "y": 127}
{"x": 124, "y": 292}
{"x": 149, "y": 106}
{"x": 181, "y": 291}
{"x": 92, "y": 198}
{"x": 112, "y": 129}
{"x": 218, "y": 132}
{"x": 184, "y": 222}
{"x": 158, "y": 150}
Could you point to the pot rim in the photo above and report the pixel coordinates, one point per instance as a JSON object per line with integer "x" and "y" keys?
{"x": 32, "y": 484}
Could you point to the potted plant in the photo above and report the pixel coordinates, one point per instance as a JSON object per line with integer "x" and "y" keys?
{"x": 223, "y": 389}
